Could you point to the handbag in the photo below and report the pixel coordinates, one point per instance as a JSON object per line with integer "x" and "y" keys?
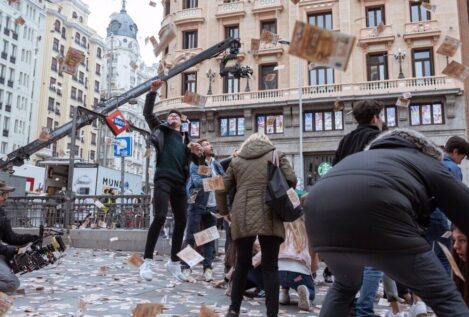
{"x": 277, "y": 193}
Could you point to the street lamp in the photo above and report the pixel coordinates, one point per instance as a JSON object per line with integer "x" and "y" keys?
{"x": 399, "y": 56}
{"x": 210, "y": 75}
{"x": 300, "y": 104}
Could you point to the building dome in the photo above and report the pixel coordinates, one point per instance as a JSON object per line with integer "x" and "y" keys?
{"x": 122, "y": 24}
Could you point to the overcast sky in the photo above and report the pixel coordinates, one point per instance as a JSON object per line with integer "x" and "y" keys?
{"x": 147, "y": 18}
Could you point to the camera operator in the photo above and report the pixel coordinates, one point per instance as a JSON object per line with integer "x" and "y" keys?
{"x": 8, "y": 281}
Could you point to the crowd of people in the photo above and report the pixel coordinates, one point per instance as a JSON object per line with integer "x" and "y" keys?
{"x": 386, "y": 212}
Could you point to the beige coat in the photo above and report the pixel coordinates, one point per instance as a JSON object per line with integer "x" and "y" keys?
{"x": 247, "y": 174}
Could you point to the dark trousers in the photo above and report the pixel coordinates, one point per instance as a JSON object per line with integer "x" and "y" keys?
{"x": 165, "y": 192}
{"x": 270, "y": 246}
{"x": 289, "y": 279}
{"x": 421, "y": 272}
{"x": 198, "y": 219}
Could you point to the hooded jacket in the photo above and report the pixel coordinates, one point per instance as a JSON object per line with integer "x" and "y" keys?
{"x": 380, "y": 200}
{"x": 247, "y": 174}
{"x": 159, "y": 129}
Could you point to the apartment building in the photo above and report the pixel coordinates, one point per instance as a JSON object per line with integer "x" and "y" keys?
{"x": 66, "y": 27}
{"x": 21, "y": 29}
{"x": 383, "y": 65}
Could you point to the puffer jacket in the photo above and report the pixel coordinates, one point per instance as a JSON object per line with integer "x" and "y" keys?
{"x": 247, "y": 173}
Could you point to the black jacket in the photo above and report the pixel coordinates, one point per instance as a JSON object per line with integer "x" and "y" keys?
{"x": 355, "y": 141}
{"x": 159, "y": 129}
{"x": 7, "y": 235}
{"x": 380, "y": 200}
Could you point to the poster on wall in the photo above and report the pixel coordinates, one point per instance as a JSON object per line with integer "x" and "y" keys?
{"x": 279, "y": 124}
{"x": 426, "y": 114}
{"x": 195, "y": 129}
{"x": 437, "y": 114}
{"x": 391, "y": 116}
{"x": 414, "y": 115}
{"x": 224, "y": 127}
{"x": 318, "y": 121}
{"x": 240, "y": 126}
{"x": 338, "y": 120}
{"x": 232, "y": 126}
{"x": 261, "y": 124}
{"x": 328, "y": 121}
{"x": 308, "y": 121}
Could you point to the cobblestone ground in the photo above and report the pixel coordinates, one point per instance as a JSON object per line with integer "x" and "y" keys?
{"x": 109, "y": 287}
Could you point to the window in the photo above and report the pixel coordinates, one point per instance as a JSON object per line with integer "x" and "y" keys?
{"x": 49, "y": 123}
{"x": 62, "y": 50}
{"x": 377, "y": 66}
{"x": 167, "y": 7}
{"x": 98, "y": 69}
{"x": 83, "y": 42}
{"x": 51, "y": 104}
{"x": 63, "y": 32}
{"x": 53, "y": 65}
{"x": 99, "y": 52}
{"x": 194, "y": 129}
{"x": 93, "y": 138}
{"x": 189, "y": 82}
{"x": 322, "y": 20}
{"x": 80, "y": 95}
{"x": 418, "y": 13}
{"x": 52, "y": 83}
{"x": 190, "y": 39}
{"x": 321, "y": 76}
{"x": 74, "y": 15}
{"x": 92, "y": 155}
{"x": 270, "y": 25}
{"x": 55, "y": 46}
{"x": 374, "y": 16}
{"x": 388, "y": 115}
{"x": 74, "y": 93}
{"x": 231, "y": 85}
{"x": 422, "y": 61}
{"x": 96, "y": 86}
{"x": 77, "y": 38}
{"x": 57, "y": 26}
{"x": 323, "y": 120}
{"x": 81, "y": 77}
{"x": 189, "y": 4}
{"x": 426, "y": 114}
{"x": 268, "y": 77}
{"x": 232, "y": 126}
{"x": 232, "y": 31}
{"x": 270, "y": 124}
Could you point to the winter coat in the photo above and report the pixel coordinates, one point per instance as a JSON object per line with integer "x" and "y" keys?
{"x": 355, "y": 141}
{"x": 8, "y": 236}
{"x": 247, "y": 173}
{"x": 158, "y": 130}
{"x": 380, "y": 200}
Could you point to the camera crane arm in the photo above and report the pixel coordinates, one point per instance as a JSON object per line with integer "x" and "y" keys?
{"x": 17, "y": 157}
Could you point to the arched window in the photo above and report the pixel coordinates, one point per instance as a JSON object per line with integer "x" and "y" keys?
{"x": 83, "y": 41}
{"x": 63, "y": 32}
{"x": 77, "y": 38}
{"x": 80, "y": 19}
{"x": 99, "y": 52}
{"x": 74, "y": 15}
{"x": 57, "y": 25}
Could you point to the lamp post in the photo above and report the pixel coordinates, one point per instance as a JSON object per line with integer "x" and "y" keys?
{"x": 300, "y": 106}
{"x": 210, "y": 75}
{"x": 399, "y": 56}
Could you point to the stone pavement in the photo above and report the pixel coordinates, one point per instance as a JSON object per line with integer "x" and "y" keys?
{"x": 108, "y": 286}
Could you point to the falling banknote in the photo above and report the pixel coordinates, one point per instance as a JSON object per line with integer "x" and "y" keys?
{"x": 194, "y": 99}
{"x": 456, "y": 70}
{"x": 321, "y": 46}
{"x": 169, "y": 33}
{"x": 206, "y": 236}
{"x": 213, "y": 183}
{"x": 190, "y": 256}
{"x": 72, "y": 60}
{"x": 449, "y": 46}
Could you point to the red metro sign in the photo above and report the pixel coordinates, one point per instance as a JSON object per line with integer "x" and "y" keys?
{"x": 117, "y": 123}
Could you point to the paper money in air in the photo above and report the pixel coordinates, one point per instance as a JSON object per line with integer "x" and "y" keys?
{"x": 429, "y": 7}
{"x": 456, "y": 70}
{"x": 339, "y": 105}
{"x": 45, "y": 134}
{"x": 135, "y": 260}
{"x": 402, "y": 102}
{"x": 207, "y": 312}
{"x": 194, "y": 99}
{"x": 206, "y": 236}
{"x": 449, "y": 46}
{"x": 20, "y": 20}
{"x": 204, "y": 170}
{"x": 270, "y": 77}
{"x": 168, "y": 34}
{"x": 255, "y": 44}
{"x": 213, "y": 183}
{"x": 190, "y": 256}
{"x": 152, "y": 4}
{"x": 321, "y": 46}
{"x": 72, "y": 60}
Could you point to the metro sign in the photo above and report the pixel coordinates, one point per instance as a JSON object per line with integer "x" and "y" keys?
{"x": 117, "y": 123}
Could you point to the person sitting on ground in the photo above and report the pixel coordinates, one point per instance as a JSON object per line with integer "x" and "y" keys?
{"x": 460, "y": 248}
{"x": 296, "y": 263}
{"x": 8, "y": 280}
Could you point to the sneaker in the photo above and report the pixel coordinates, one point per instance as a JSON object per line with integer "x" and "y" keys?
{"x": 186, "y": 273}
{"x": 145, "y": 270}
{"x": 303, "y": 298}
{"x": 419, "y": 309}
{"x": 175, "y": 269}
{"x": 284, "y": 298}
{"x": 327, "y": 278}
{"x": 208, "y": 275}
{"x": 389, "y": 313}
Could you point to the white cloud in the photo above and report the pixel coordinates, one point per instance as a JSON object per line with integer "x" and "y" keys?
{"x": 147, "y": 18}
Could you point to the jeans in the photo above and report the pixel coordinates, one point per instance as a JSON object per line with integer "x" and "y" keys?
{"x": 421, "y": 272}
{"x": 270, "y": 246}
{"x": 176, "y": 194}
{"x": 370, "y": 284}
{"x": 437, "y": 227}
{"x": 8, "y": 280}
{"x": 290, "y": 279}
{"x": 199, "y": 219}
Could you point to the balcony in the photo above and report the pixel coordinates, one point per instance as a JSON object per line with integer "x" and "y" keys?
{"x": 8, "y": 108}
{"x": 370, "y": 36}
{"x": 4, "y": 55}
{"x": 421, "y": 30}
{"x": 194, "y": 15}
{"x": 323, "y": 93}
{"x": 230, "y": 10}
{"x": 266, "y": 49}
{"x": 261, "y": 6}
{"x": 10, "y": 83}
{"x": 5, "y": 132}
{"x": 12, "y": 59}
{"x": 166, "y": 20}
